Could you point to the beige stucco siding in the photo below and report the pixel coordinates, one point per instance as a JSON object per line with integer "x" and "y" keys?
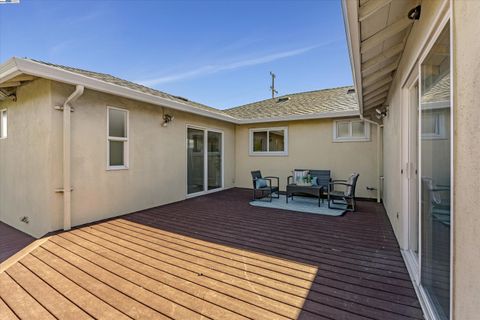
{"x": 27, "y": 158}
{"x": 310, "y": 146}
{"x": 392, "y": 133}
{"x": 157, "y": 156}
{"x": 466, "y": 66}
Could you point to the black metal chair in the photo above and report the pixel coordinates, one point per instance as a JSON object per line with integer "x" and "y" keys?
{"x": 347, "y": 197}
{"x": 268, "y": 190}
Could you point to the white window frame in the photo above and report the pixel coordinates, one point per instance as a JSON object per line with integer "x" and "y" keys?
{"x": 436, "y": 109}
{"x": 351, "y": 138}
{"x": 3, "y": 124}
{"x": 124, "y": 140}
{"x": 268, "y": 153}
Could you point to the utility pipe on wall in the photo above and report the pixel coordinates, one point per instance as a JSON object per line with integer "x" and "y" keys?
{"x": 379, "y": 155}
{"x": 67, "y": 179}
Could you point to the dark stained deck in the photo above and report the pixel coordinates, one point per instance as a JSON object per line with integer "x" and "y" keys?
{"x": 216, "y": 257}
{"x": 12, "y": 241}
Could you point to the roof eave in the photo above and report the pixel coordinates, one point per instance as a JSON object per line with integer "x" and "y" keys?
{"x": 16, "y": 66}
{"x": 312, "y": 116}
{"x": 20, "y": 66}
{"x": 9, "y": 70}
{"x": 352, "y": 31}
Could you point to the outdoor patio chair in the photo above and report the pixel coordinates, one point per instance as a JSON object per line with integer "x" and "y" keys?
{"x": 347, "y": 196}
{"x": 436, "y": 201}
{"x": 263, "y": 185}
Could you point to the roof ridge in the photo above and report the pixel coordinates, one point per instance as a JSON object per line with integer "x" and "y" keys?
{"x": 288, "y": 95}
{"x": 326, "y": 102}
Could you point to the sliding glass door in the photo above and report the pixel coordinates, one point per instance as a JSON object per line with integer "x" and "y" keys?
{"x": 204, "y": 160}
{"x": 435, "y": 174}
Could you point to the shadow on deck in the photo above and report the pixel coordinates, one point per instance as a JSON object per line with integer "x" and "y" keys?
{"x": 216, "y": 257}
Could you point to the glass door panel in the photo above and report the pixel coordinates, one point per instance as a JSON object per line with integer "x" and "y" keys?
{"x": 214, "y": 146}
{"x": 195, "y": 160}
{"x": 435, "y": 174}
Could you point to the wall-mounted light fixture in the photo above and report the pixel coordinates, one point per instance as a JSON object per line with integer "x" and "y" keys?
{"x": 167, "y": 118}
{"x": 414, "y": 14}
{"x": 381, "y": 113}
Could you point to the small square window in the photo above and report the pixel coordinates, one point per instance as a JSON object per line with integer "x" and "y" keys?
{"x": 351, "y": 130}
{"x": 269, "y": 142}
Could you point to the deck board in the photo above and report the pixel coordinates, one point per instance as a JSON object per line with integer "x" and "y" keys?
{"x": 12, "y": 241}
{"x": 216, "y": 257}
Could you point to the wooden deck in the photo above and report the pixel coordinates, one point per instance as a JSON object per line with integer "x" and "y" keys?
{"x": 12, "y": 241}
{"x": 215, "y": 257}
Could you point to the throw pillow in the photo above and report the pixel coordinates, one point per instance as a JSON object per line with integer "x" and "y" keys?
{"x": 299, "y": 175}
{"x": 260, "y": 183}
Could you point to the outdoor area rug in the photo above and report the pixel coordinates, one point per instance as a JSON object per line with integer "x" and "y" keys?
{"x": 301, "y": 204}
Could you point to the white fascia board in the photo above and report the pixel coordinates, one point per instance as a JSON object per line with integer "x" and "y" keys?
{"x": 65, "y": 76}
{"x": 322, "y": 115}
{"x": 352, "y": 30}
{"x": 9, "y": 70}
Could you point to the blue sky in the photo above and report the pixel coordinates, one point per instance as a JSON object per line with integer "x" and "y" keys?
{"x": 218, "y": 53}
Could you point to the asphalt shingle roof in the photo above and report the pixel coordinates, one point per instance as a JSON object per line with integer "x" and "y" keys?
{"x": 438, "y": 91}
{"x": 132, "y": 85}
{"x": 304, "y": 103}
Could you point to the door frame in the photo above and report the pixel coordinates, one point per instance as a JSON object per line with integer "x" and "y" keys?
{"x": 205, "y": 160}
{"x": 413, "y": 263}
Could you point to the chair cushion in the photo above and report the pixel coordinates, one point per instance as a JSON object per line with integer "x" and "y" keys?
{"x": 314, "y": 181}
{"x": 260, "y": 183}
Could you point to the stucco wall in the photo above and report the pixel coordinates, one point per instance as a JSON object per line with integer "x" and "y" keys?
{"x": 311, "y": 146}
{"x": 466, "y": 66}
{"x": 392, "y": 133}
{"x": 157, "y": 156}
{"x": 27, "y": 158}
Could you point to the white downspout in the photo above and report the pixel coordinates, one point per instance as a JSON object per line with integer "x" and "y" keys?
{"x": 379, "y": 154}
{"x": 67, "y": 179}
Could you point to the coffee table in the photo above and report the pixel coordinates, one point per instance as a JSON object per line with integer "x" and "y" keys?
{"x": 316, "y": 191}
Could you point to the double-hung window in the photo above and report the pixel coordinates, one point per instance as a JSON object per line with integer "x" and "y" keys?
{"x": 351, "y": 130}
{"x": 268, "y": 141}
{"x": 433, "y": 124}
{"x": 117, "y": 123}
{"x": 3, "y": 123}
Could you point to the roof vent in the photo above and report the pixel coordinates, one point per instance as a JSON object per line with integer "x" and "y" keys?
{"x": 181, "y": 98}
{"x": 283, "y": 99}
{"x": 349, "y": 91}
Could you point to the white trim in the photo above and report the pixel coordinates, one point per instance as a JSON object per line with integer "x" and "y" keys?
{"x": 125, "y": 140}
{"x": 351, "y": 138}
{"x": 268, "y": 153}
{"x": 205, "y": 160}
{"x": 3, "y": 126}
{"x": 352, "y": 30}
{"x": 428, "y": 312}
{"x": 312, "y": 116}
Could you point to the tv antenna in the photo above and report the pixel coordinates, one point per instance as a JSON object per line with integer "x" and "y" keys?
{"x": 272, "y": 87}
